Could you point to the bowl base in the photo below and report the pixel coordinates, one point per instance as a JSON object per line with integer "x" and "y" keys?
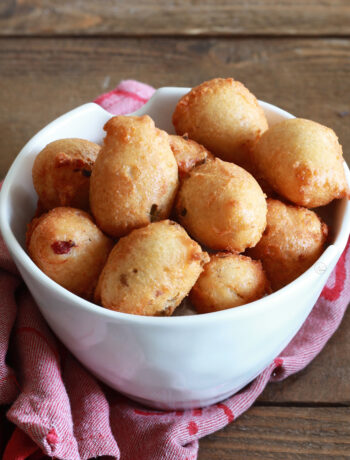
{"x": 180, "y": 405}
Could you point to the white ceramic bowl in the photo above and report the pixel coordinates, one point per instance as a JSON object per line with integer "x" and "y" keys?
{"x": 164, "y": 362}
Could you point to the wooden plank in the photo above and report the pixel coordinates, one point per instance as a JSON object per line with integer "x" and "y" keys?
{"x": 43, "y": 78}
{"x": 179, "y": 17}
{"x": 282, "y": 433}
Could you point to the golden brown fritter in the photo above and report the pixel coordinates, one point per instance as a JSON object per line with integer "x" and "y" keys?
{"x": 293, "y": 240}
{"x": 222, "y": 206}
{"x": 61, "y": 173}
{"x": 227, "y": 281}
{"x": 302, "y": 161}
{"x": 224, "y": 116}
{"x": 68, "y": 247}
{"x": 151, "y": 270}
{"x": 135, "y": 178}
{"x": 188, "y": 153}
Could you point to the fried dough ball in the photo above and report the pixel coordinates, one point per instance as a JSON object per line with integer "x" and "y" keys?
{"x": 61, "y": 173}
{"x": 228, "y": 280}
{"x": 224, "y": 116}
{"x": 188, "y": 153}
{"x": 293, "y": 240}
{"x": 151, "y": 270}
{"x": 222, "y": 206}
{"x": 135, "y": 177}
{"x": 69, "y": 248}
{"x": 302, "y": 160}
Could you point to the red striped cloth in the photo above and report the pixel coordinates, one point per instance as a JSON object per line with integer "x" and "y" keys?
{"x": 59, "y": 410}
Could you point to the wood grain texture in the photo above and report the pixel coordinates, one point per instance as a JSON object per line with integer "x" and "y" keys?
{"x": 175, "y": 17}
{"x": 43, "y": 78}
{"x": 282, "y": 433}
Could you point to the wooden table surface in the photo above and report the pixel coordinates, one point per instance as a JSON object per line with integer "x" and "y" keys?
{"x": 56, "y": 55}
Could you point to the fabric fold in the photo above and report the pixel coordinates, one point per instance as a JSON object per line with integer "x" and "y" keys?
{"x": 42, "y": 409}
{"x": 90, "y": 408}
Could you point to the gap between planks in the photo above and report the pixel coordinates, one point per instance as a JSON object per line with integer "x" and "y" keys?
{"x": 203, "y": 36}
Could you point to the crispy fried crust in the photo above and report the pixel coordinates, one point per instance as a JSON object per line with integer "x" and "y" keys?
{"x": 151, "y": 270}
{"x": 135, "y": 178}
{"x": 61, "y": 173}
{"x": 69, "y": 248}
{"x": 222, "y": 206}
{"x": 224, "y": 116}
{"x": 293, "y": 240}
{"x": 188, "y": 154}
{"x": 302, "y": 161}
{"x": 227, "y": 281}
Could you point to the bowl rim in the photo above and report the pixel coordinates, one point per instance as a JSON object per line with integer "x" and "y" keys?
{"x": 331, "y": 253}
